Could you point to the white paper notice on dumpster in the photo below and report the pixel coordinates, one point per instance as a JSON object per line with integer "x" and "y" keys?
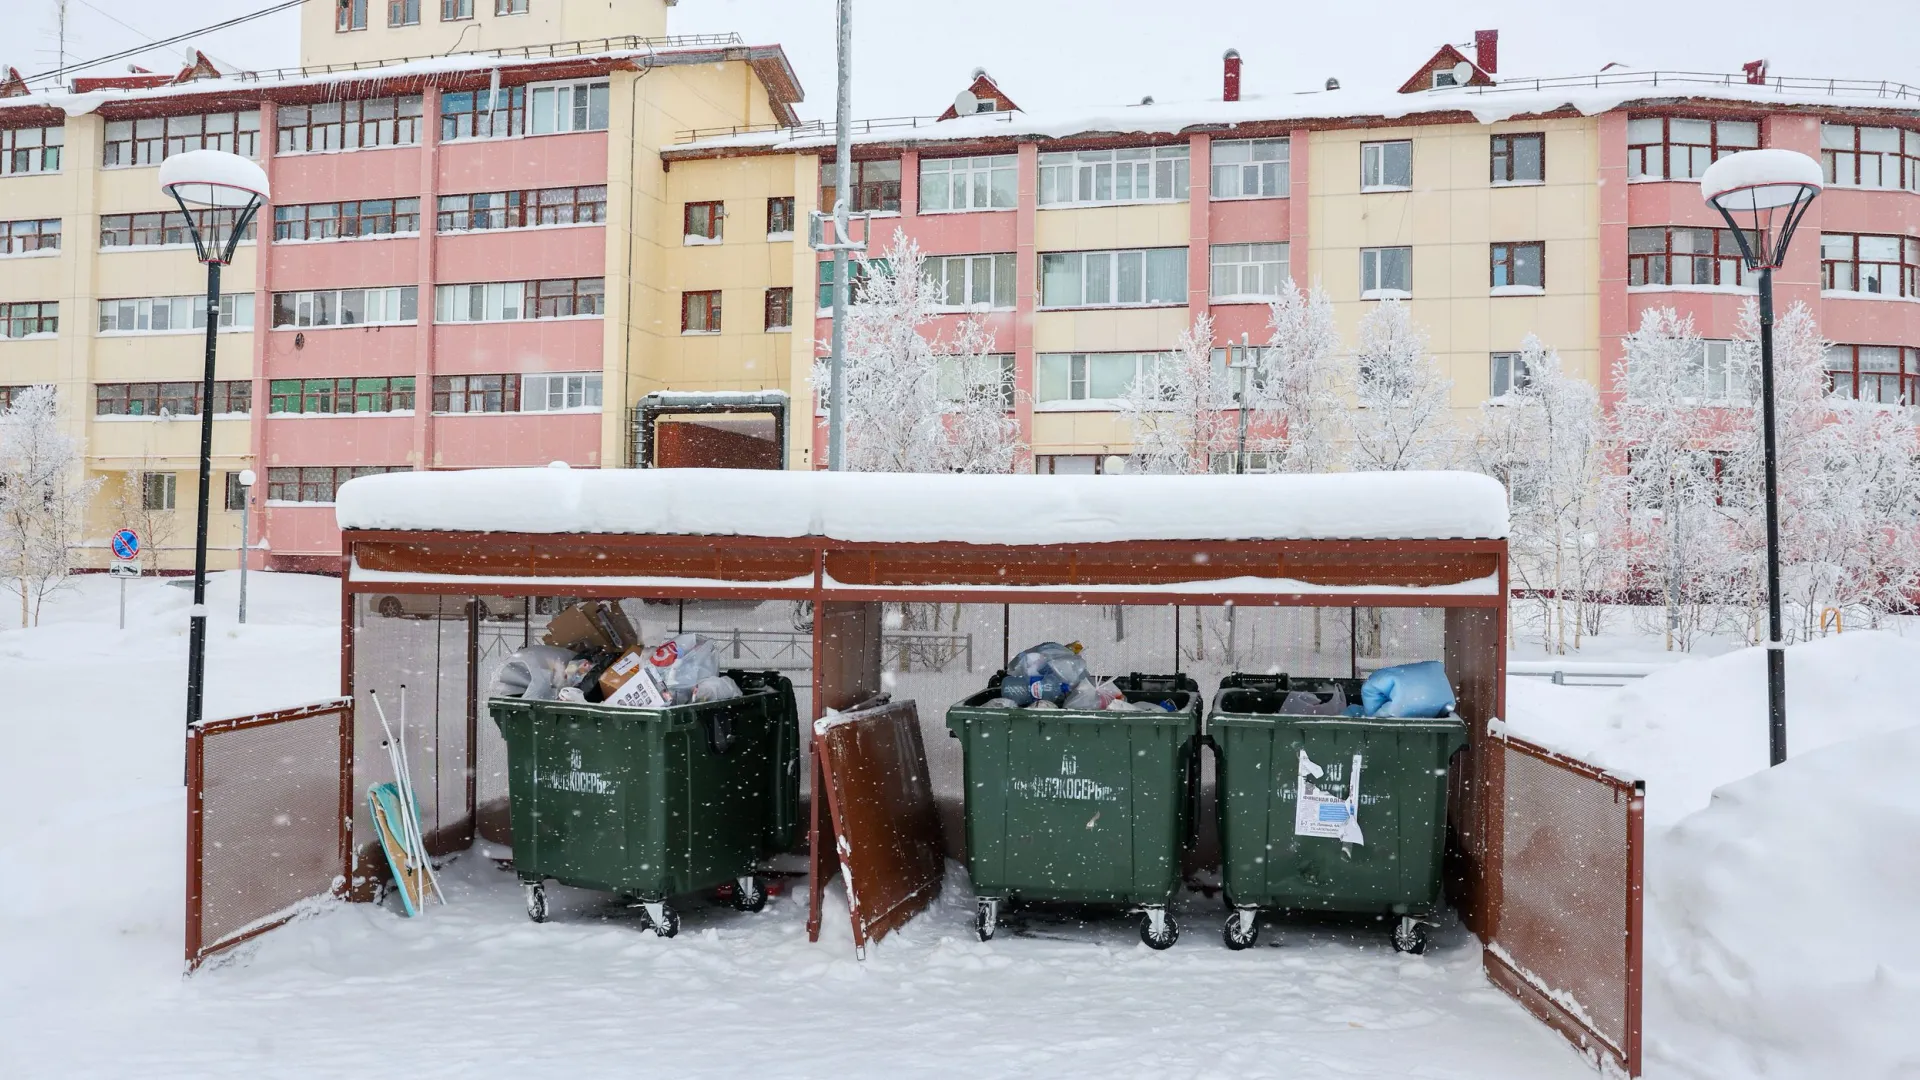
{"x": 1316, "y": 813}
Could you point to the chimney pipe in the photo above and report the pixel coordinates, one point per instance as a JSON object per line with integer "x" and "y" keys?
{"x": 1486, "y": 50}
{"x": 1231, "y": 91}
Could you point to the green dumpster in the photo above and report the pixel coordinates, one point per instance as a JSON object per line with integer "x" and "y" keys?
{"x": 1079, "y": 806}
{"x": 1328, "y": 813}
{"x": 653, "y": 803}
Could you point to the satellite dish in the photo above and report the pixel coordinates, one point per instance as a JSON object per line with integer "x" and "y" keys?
{"x": 966, "y": 103}
{"x": 1462, "y": 73}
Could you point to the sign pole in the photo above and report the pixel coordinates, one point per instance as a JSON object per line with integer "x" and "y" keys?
{"x": 123, "y": 600}
{"x": 126, "y": 550}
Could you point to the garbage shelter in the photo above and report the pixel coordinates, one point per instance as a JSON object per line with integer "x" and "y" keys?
{"x": 864, "y": 587}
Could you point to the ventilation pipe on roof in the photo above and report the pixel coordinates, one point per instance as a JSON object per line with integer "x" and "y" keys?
{"x": 1333, "y": 84}
{"x": 1231, "y": 90}
{"x": 1486, "y": 50}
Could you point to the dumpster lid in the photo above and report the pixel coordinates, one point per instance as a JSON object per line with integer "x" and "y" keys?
{"x": 932, "y": 508}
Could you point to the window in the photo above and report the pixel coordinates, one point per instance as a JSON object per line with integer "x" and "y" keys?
{"x": 31, "y": 150}
{"x": 971, "y": 281}
{"x": 1509, "y": 374}
{"x": 157, "y": 491}
{"x": 1519, "y": 159}
{"x": 976, "y": 183}
{"x": 856, "y": 280}
{"x": 876, "y": 186}
{"x": 349, "y": 15}
{"x": 510, "y": 300}
{"x": 403, "y": 12}
{"x": 451, "y": 10}
{"x": 704, "y": 222}
{"x": 961, "y": 374}
{"x": 1682, "y": 257}
{"x": 154, "y": 139}
{"x": 1671, "y": 148}
{"x": 1242, "y": 271}
{"x": 30, "y": 318}
{"x": 1251, "y": 169}
{"x": 348, "y": 125}
{"x": 559, "y": 393}
{"x": 1101, "y": 377}
{"x": 1070, "y": 464}
{"x": 1519, "y": 265}
{"x": 317, "y": 483}
{"x": 166, "y": 228}
{"x": 160, "y": 314}
{"x": 1386, "y": 166}
{"x": 230, "y": 398}
{"x": 1872, "y": 157}
{"x": 700, "y": 312}
{"x": 1113, "y": 278}
{"x": 1089, "y": 177}
{"x": 780, "y": 218}
{"x": 483, "y": 114}
{"x": 523, "y": 209}
{"x": 346, "y": 307}
{"x": 779, "y": 309}
{"x": 563, "y": 298}
{"x": 509, "y": 7}
{"x": 236, "y": 492}
{"x": 1869, "y": 265}
{"x": 1386, "y": 272}
{"x": 347, "y": 220}
{"x": 476, "y": 393}
{"x": 1714, "y": 375}
{"x": 328, "y": 397}
{"x": 1882, "y": 374}
{"x": 557, "y": 109}
{"x": 27, "y": 237}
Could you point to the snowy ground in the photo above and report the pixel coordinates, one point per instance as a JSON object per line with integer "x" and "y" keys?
{"x": 1744, "y": 983}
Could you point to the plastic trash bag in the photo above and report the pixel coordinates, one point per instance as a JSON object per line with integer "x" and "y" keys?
{"x": 718, "y": 688}
{"x": 1093, "y": 696}
{"x": 1409, "y": 690}
{"x": 572, "y": 695}
{"x": 1047, "y": 672}
{"x": 1043, "y": 704}
{"x": 999, "y": 703}
{"x": 680, "y": 663}
{"x": 1308, "y": 703}
{"x": 535, "y": 673}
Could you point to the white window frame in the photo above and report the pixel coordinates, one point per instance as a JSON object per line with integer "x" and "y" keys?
{"x": 1507, "y": 372}
{"x": 973, "y": 178}
{"x": 1116, "y": 268}
{"x": 1372, "y": 266}
{"x": 42, "y": 139}
{"x": 561, "y": 392}
{"x": 1235, "y": 162}
{"x": 387, "y": 299}
{"x": 954, "y": 378}
{"x": 1266, "y": 262}
{"x": 183, "y": 315}
{"x": 1077, "y": 369}
{"x": 1086, "y": 173}
{"x": 480, "y": 302}
{"x": 998, "y": 269}
{"x": 1373, "y": 162}
{"x": 565, "y": 111}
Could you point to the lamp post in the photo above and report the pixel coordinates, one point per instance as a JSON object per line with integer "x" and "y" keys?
{"x": 1245, "y": 366}
{"x": 216, "y": 181}
{"x": 246, "y": 521}
{"x": 1763, "y": 194}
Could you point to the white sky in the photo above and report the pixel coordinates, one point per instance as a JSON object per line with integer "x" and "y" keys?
{"x": 912, "y": 56}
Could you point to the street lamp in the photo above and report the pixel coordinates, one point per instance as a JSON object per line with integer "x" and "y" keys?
{"x": 1763, "y": 194}
{"x": 217, "y": 181}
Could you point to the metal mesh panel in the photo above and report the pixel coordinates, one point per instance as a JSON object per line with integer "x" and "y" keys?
{"x": 270, "y": 821}
{"x": 1564, "y": 889}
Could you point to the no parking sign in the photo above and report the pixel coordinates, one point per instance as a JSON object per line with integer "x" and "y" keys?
{"x": 126, "y": 544}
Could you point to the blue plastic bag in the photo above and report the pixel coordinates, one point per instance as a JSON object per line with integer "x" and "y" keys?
{"x": 1409, "y": 690}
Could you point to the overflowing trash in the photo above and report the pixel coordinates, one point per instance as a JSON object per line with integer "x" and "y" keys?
{"x": 1054, "y": 676}
{"x": 1408, "y": 690}
{"x": 592, "y": 654}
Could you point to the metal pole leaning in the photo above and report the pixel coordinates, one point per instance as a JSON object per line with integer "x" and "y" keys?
{"x": 842, "y": 181}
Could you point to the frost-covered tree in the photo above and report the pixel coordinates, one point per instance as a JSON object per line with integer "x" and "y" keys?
{"x": 43, "y": 499}
{"x": 1402, "y": 422}
{"x": 897, "y": 419}
{"x": 135, "y": 508}
{"x": 1296, "y": 394}
{"x": 1181, "y": 412}
{"x": 981, "y": 434}
{"x": 1545, "y": 440}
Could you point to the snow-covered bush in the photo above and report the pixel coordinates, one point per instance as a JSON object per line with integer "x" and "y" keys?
{"x": 43, "y": 499}
{"x": 1403, "y": 421}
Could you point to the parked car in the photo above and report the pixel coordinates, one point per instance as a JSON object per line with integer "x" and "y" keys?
{"x": 428, "y": 606}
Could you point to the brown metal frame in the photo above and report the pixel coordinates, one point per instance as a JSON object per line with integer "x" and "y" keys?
{"x": 197, "y": 948}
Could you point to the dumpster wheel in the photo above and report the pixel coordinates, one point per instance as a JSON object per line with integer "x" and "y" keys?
{"x": 1158, "y": 929}
{"x": 659, "y": 916}
{"x": 749, "y": 893}
{"x": 986, "y": 918}
{"x": 537, "y": 901}
{"x": 1242, "y": 929}
{"x": 1410, "y": 936}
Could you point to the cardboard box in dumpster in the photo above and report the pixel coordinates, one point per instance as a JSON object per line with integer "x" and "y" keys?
{"x": 629, "y": 685}
{"x": 589, "y": 625}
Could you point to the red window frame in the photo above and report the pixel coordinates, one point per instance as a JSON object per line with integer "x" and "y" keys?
{"x": 1506, "y": 254}
{"x": 1644, "y": 152}
{"x": 700, "y": 311}
{"x": 706, "y": 220}
{"x": 1843, "y": 165}
{"x": 1898, "y": 387}
{"x": 779, "y": 314}
{"x": 780, "y": 215}
{"x": 461, "y": 394}
{"x": 32, "y": 234}
{"x": 21, "y": 318}
{"x": 1655, "y": 265}
{"x": 1501, "y": 157}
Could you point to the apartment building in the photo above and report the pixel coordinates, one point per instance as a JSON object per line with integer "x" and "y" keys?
{"x": 596, "y": 252}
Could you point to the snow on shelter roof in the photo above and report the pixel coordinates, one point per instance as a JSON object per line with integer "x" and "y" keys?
{"x": 932, "y": 508}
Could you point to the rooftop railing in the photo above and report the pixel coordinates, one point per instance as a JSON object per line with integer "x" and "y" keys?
{"x": 810, "y": 128}
{"x": 1783, "y": 84}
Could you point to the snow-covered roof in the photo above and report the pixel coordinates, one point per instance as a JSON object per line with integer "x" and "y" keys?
{"x": 1588, "y": 95}
{"x": 932, "y": 508}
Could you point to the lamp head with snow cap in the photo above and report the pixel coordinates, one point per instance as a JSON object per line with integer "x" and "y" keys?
{"x": 1762, "y": 194}
{"x": 215, "y": 180}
